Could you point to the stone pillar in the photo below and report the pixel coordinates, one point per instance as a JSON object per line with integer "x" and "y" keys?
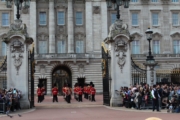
{"x": 33, "y": 27}
{"x": 151, "y": 75}
{"x": 89, "y": 27}
{"x": 51, "y": 27}
{"x": 17, "y": 41}
{"x": 119, "y": 46}
{"x": 104, "y": 19}
{"x": 70, "y": 27}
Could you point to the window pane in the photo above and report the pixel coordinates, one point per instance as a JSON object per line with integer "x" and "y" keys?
{"x": 42, "y": 18}
{"x": 175, "y": 17}
{"x": 113, "y": 18}
{"x": 176, "y": 46}
{"x": 175, "y": 0}
{"x": 5, "y": 19}
{"x": 4, "y": 49}
{"x": 156, "y": 47}
{"x": 134, "y": 0}
{"x": 154, "y": 0}
{"x": 61, "y": 46}
{"x": 155, "y": 18}
{"x": 79, "y": 18}
{"x": 61, "y": 18}
{"x": 135, "y": 47}
{"x": 134, "y": 19}
{"x": 79, "y": 47}
{"x": 42, "y": 46}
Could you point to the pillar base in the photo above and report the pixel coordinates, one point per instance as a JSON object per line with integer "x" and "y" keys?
{"x": 116, "y": 101}
{"x": 25, "y": 104}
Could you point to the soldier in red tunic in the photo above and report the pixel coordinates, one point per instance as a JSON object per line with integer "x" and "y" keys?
{"x": 39, "y": 93}
{"x": 42, "y": 93}
{"x": 93, "y": 92}
{"x": 79, "y": 92}
{"x": 55, "y": 92}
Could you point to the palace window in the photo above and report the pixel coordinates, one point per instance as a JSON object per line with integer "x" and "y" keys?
{"x": 4, "y": 49}
{"x": 134, "y": 0}
{"x": 175, "y": 19}
{"x": 113, "y": 18}
{"x": 175, "y": 1}
{"x": 134, "y": 19}
{"x": 156, "y": 47}
{"x": 135, "y": 47}
{"x": 42, "y": 18}
{"x": 79, "y": 18}
{"x": 155, "y": 19}
{"x": 42, "y": 47}
{"x": 5, "y": 19}
{"x": 176, "y": 46}
{"x": 80, "y": 46}
{"x": 154, "y": 0}
{"x": 61, "y": 18}
{"x": 61, "y": 46}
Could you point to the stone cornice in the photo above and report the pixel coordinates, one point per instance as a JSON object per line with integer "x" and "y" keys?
{"x": 165, "y": 1}
{"x": 144, "y": 1}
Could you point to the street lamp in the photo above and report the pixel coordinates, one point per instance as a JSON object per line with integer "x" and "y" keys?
{"x": 18, "y": 3}
{"x": 118, "y": 3}
{"x": 150, "y": 58}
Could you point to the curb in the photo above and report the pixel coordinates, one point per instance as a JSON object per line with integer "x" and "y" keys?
{"x": 133, "y": 110}
{"x": 19, "y": 112}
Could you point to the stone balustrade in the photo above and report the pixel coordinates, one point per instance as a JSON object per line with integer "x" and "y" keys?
{"x": 139, "y": 56}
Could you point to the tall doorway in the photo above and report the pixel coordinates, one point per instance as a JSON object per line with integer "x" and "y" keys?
{"x": 61, "y": 76}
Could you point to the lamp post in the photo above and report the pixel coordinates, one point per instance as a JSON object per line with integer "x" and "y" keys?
{"x": 118, "y": 3}
{"x": 150, "y": 62}
{"x": 18, "y": 3}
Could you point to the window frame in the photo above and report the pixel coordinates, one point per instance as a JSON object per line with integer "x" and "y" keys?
{"x": 158, "y": 24}
{"x": 3, "y": 52}
{"x": 177, "y": 19}
{"x": 177, "y": 45}
{"x": 134, "y": 1}
{"x": 133, "y": 19}
{"x": 159, "y": 47}
{"x": 80, "y": 48}
{"x": 132, "y": 46}
{"x": 58, "y": 18}
{"x": 40, "y": 18}
{"x": 154, "y": 1}
{"x": 174, "y": 1}
{"x": 40, "y": 46}
{"x": 64, "y": 46}
{"x": 3, "y": 19}
{"x": 76, "y": 18}
{"x": 111, "y": 14}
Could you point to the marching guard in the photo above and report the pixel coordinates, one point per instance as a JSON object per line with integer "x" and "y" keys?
{"x": 55, "y": 92}
{"x": 92, "y": 92}
{"x": 79, "y": 92}
{"x": 39, "y": 94}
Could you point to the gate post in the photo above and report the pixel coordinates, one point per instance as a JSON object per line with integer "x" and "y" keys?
{"x": 18, "y": 42}
{"x": 119, "y": 47}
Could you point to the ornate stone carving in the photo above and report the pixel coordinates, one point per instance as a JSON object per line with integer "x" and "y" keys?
{"x": 81, "y": 68}
{"x": 118, "y": 28}
{"x": 43, "y": 36}
{"x": 121, "y": 48}
{"x": 42, "y": 69}
{"x": 165, "y": 1}
{"x": 25, "y": 10}
{"x": 96, "y": 9}
{"x": 17, "y": 46}
{"x": 17, "y": 61}
{"x": 144, "y": 1}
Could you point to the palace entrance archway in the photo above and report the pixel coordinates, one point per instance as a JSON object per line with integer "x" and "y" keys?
{"x": 61, "y": 75}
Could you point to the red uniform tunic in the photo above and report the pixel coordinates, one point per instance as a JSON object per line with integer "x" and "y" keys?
{"x": 39, "y": 92}
{"x": 55, "y": 91}
{"x": 43, "y": 90}
{"x": 92, "y": 91}
{"x": 79, "y": 91}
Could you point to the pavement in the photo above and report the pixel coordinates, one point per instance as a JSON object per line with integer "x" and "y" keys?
{"x": 86, "y": 110}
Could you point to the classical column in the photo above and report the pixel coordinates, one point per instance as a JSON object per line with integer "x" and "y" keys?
{"x": 89, "y": 27}
{"x": 51, "y": 27}
{"x": 70, "y": 27}
{"x": 32, "y": 24}
{"x": 104, "y": 20}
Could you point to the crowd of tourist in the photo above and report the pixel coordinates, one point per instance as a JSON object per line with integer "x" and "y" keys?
{"x": 160, "y": 96}
{"x": 9, "y": 100}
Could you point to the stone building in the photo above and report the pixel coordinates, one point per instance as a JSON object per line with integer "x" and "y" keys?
{"x": 68, "y": 34}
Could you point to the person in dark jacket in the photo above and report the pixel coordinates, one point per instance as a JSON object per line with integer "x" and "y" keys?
{"x": 155, "y": 96}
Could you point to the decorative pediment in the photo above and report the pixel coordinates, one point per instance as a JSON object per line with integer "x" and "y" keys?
{"x": 136, "y": 35}
{"x": 165, "y": 1}
{"x": 157, "y": 35}
{"x": 61, "y": 29}
{"x": 96, "y": 9}
{"x": 175, "y": 34}
{"x": 43, "y": 36}
{"x": 79, "y": 36}
{"x": 144, "y": 1}
{"x": 61, "y": 36}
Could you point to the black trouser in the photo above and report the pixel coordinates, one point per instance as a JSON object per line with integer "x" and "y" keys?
{"x": 93, "y": 98}
{"x": 55, "y": 98}
{"x": 39, "y": 98}
{"x": 80, "y": 98}
{"x": 68, "y": 98}
{"x": 155, "y": 104}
